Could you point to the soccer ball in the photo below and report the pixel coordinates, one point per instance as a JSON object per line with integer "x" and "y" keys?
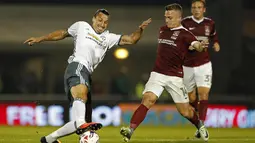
{"x": 89, "y": 137}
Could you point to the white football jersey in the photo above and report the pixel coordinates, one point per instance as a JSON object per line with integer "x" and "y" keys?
{"x": 89, "y": 46}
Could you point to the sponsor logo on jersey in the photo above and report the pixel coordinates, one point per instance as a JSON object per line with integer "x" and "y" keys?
{"x": 175, "y": 35}
{"x": 100, "y": 41}
{"x": 166, "y": 41}
{"x": 95, "y": 37}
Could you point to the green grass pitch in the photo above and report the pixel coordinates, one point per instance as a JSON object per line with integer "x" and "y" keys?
{"x": 142, "y": 135}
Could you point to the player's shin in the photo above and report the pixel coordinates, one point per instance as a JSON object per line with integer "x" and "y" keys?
{"x": 136, "y": 120}
{"x": 187, "y": 111}
{"x": 148, "y": 101}
{"x": 203, "y": 102}
{"x": 194, "y": 119}
{"x": 193, "y": 99}
{"x": 194, "y": 104}
{"x": 79, "y": 111}
{"x": 67, "y": 129}
{"x": 203, "y": 109}
{"x": 138, "y": 117}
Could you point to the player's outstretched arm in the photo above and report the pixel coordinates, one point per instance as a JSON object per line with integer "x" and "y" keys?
{"x": 54, "y": 36}
{"x": 135, "y": 36}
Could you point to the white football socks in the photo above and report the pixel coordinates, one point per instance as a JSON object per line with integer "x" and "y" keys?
{"x": 78, "y": 113}
{"x": 67, "y": 129}
{"x": 79, "y": 110}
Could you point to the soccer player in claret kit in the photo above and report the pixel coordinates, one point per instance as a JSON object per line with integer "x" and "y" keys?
{"x": 197, "y": 65}
{"x": 91, "y": 42}
{"x": 173, "y": 44}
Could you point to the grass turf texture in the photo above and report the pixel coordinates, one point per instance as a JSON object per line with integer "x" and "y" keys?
{"x": 142, "y": 135}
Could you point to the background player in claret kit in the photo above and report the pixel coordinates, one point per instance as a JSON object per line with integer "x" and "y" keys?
{"x": 197, "y": 66}
{"x": 91, "y": 43}
{"x": 173, "y": 43}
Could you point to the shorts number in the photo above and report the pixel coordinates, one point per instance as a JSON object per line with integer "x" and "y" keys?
{"x": 185, "y": 93}
{"x": 207, "y": 78}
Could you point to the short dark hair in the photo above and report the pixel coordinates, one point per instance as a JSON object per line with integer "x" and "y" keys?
{"x": 174, "y": 6}
{"x": 202, "y": 1}
{"x": 104, "y": 11}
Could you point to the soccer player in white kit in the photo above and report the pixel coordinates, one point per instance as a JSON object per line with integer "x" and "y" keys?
{"x": 91, "y": 42}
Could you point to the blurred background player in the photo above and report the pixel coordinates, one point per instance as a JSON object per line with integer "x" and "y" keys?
{"x": 91, "y": 44}
{"x": 197, "y": 66}
{"x": 173, "y": 43}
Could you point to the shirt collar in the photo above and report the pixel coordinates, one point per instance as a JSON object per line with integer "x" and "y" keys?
{"x": 177, "y": 28}
{"x": 197, "y": 21}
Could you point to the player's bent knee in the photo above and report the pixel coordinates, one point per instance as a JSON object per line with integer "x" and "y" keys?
{"x": 80, "y": 91}
{"x": 149, "y": 99}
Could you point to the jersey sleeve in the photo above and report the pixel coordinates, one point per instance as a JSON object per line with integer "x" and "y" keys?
{"x": 73, "y": 29}
{"x": 190, "y": 38}
{"x": 214, "y": 35}
{"x": 114, "y": 39}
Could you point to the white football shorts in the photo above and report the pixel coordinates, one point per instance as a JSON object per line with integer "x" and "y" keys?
{"x": 200, "y": 76}
{"x": 174, "y": 86}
